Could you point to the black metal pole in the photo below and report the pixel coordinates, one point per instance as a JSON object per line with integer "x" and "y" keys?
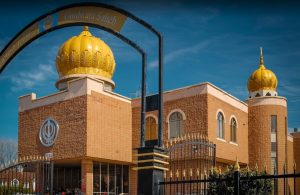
{"x": 236, "y": 182}
{"x": 160, "y": 88}
{"x": 284, "y": 179}
{"x": 294, "y": 178}
{"x": 143, "y": 100}
{"x": 215, "y": 148}
{"x": 51, "y": 177}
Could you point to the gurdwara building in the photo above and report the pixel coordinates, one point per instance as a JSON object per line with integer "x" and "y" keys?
{"x": 91, "y": 132}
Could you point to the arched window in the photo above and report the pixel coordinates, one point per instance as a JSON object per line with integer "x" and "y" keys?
{"x": 220, "y": 126}
{"x": 151, "y": 128}
{"x": 233, "y": 127}
{"x": 176, "y": 124}
{"x": 14, "y": 183}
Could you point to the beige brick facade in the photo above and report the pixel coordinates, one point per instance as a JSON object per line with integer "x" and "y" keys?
{"x": 290, "y": 162}
{"x": 200, "y": 107}
{"x": 296, "y": 146}
{"x": 109, "y": 128}
{"x": 71, "y": 141}
{"x": 100, "y": 126}
{"x": 260, "y": 135}
{"x": 227, "y": 151}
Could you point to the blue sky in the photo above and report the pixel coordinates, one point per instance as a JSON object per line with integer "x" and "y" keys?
{"x": 218, "y": 43}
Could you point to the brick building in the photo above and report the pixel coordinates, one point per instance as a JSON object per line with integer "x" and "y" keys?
{"x": 91, "y": 132}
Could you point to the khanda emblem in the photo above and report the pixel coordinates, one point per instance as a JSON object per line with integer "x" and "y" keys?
{"x": 49, "y": 132}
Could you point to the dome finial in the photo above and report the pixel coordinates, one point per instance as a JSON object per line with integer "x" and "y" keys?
{"x": 261, "y": 61}
{"x": 89, "y": 55}
{"x": 85, "y": 28}
{"x": 261, "y": 80}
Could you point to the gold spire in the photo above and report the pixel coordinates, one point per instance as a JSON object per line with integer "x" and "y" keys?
{"x": 236, "y": 166}
{"x": 248, "y": 169}
{"x": 261, "y": 60}
{"x": 262, "y": 78}
{"x": 86, "y": 28}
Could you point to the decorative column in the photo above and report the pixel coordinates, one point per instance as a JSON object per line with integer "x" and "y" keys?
{"x": 87, "y": 176}
{"x": 151, "y": 167}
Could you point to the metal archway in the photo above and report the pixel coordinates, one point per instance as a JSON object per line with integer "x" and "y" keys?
{"x": 99, "y": 15}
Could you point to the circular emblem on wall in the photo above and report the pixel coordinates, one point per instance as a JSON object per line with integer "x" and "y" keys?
{"x": 48, "y": 132}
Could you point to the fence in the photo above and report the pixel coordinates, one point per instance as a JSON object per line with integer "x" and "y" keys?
{"x": 29, "y": 175}
{"x": 192, "y": 151}
{"x": 232, "y": 181}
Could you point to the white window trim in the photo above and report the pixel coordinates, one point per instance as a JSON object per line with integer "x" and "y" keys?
{"x": 176, "y": 110}
{"x": 237, "y": 127}
{"x": 234, "y": 143}
{"x": 168, "y": 121}
{"x": 152, "y": 115}
{"x": 221, "y": 139}
{"x": 224, "y": 121}
{"x": 237, "y": 123}
{"x": 220, "y": 110}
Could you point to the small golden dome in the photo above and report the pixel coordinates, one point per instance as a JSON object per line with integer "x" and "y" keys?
{"x": 262, "y": 78}
{"x": 85, "y": 54}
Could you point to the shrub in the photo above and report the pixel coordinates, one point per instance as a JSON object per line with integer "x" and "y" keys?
{"x": 223, "y": 183}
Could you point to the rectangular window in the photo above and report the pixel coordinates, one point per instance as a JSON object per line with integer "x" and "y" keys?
{"x": 273, "y": 137}
{"x": 125, "y": 179}
{"x": 274, "y": 123}
{"x": 110, "y": 179}
{"x": 96, "y": 177}
{"x": 104, "y": 178}
{"x": 273, "y": 146}
{"x": 273, "y": 164}
{"x": 274, "y": 143}
{"x": 119, "y": 185}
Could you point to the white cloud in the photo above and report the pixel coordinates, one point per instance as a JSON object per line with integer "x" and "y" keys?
{"x": 31, "y": 78}
{"x": 171, "y": 56}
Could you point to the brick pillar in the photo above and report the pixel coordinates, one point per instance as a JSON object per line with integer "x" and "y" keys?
{"x": 296, "y": 140}
{"x": 87, "y": 176}
{"x": 150, "y": 170}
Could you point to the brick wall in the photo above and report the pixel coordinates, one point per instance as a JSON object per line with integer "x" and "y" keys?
{"x": 296, "y": 143}
{"x": 71, "y": 140}
{"x": 226, "y": 150}
{"x": 260, "y": 135}
{"x": 109, "y": 134}
{"x": 200, "y": 112}
{"x": 290, "y": 164}
{"x": 196, "y": 115}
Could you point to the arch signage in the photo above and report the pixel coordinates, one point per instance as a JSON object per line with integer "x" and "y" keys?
{"x": 102, "y": 16}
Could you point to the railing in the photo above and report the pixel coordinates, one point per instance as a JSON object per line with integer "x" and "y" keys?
{"x": 28, "y": 175}
{"x": 190, "y": 151}
{"x": 232, "y": 181}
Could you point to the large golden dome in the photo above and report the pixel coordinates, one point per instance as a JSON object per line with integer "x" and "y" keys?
{"x": 262, "y": 78}
{"x": 85, "y": 55}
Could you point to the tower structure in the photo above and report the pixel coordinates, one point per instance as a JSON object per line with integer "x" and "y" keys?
{"x": 267, "y": 116}
{"x": 85, "y": 127}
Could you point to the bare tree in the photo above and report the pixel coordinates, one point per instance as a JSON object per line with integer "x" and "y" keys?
{"x": 8, "y": 151}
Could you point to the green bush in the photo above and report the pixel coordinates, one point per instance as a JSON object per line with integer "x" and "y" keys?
{"x": 10, "y": 190}
{"x": 247, "y": 187}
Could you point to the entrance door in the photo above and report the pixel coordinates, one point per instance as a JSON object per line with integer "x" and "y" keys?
{"x": 67, "y": 179}
{"x": 110, "y": 179}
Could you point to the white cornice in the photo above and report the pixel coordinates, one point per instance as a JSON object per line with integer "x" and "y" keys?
{"x": 76, "y": 88}
{"x": 202, "y": 88}
{"x": 267, "y": 100}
